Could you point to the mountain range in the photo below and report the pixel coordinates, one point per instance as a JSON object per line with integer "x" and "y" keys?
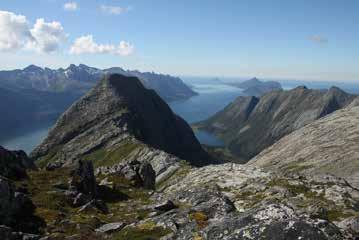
{"x": 81, "y": 78}
{"x": 119, "y": 164}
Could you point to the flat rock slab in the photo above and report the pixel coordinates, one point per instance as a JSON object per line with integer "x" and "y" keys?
{"x": 111, "y": 227}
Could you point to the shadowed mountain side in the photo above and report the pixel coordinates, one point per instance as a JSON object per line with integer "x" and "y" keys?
{"x": 250, "y": 124}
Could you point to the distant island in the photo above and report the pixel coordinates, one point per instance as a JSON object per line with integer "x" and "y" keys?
{"x": 255, "y": 87}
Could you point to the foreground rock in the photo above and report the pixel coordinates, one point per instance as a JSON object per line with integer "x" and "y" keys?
{"x": 83, "y": 179}
{"x": 112, "y": 120}
{"x": 16, "y": 210}
{"x": 13, "y": 164}
{"x": 233, "y": 201}
{"x": 251, "y": 124}
{"x": 327, "y": 146}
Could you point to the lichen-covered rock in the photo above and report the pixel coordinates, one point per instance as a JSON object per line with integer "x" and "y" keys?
{"x": 110, "y": 227}
{"x": 232, "y": 201}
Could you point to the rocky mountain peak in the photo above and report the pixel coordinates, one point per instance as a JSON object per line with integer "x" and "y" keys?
{"x": 33, "y": 68}
{"x": 120, "y": 110}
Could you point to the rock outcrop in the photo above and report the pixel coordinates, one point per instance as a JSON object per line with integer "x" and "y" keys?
{"x": 16, "y": 208}
{"x": 232, "y": 201}
{"x": 13, "y": 164}
{"x": 112, "y": 120}
{"x": 250, "y": 124}
{"x": 327, "y": 146}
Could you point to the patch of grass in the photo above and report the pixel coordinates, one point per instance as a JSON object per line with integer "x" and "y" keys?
{"x": 200, "y": 217}
{"x": 50, "y": 157}
{"x": 103, "y": 157}
{"x": 295, "y": 189}
{"x": 337, "y": 214}
{"x": 295, "y": 167}
{"x": 146, "y": 231}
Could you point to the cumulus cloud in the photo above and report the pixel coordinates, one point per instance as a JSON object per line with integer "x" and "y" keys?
{"x": 70, "y": 6}
{"x": 319, "y": 39}
{"x": 86, "y": 44}
{"x": 16, "y": 34}
{"x": 114, "y": 10}
{"x": 48, "y": 35}
{"x": 14, "y": 31}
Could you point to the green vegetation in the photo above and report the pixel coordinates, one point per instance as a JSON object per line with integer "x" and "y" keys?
{"x": 50, "y": 157}
{"x": 200, "y": 217}
{"x": 103, "y": 157}
{"x": 296, "y": 167}
{"x": 146, "y": 231}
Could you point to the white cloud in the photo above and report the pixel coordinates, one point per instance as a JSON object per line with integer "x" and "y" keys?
{"x": 86, "y": 44}
{"x": 70, "y": 6}
{"x": 48, "y": 35}
{"x": 319, "y": 39}
{"x": 15, "y": 34}
{"x": 114, "y": 10}
{"x": 14, "y": 31}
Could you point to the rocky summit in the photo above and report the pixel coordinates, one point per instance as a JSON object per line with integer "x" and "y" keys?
{"x": 251, "y": 124}
{"x": 114, "y": 119}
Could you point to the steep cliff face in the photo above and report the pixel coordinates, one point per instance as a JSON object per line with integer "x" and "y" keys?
{"x": 250, "y": 124}
{"x": 115, "y": 117}
{"x": 327, "y": 146}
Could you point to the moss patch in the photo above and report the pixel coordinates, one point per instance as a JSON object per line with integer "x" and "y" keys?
{"x": 103, "y": 157}
{"x": 146, "y": 231}
{"x": 200, "y": 217}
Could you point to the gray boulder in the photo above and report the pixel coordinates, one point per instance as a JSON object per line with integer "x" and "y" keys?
{"x": 110, "y": 227}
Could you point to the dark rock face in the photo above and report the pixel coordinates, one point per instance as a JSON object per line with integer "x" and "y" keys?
{"x": 83, "y": 179}
{"x": 141, "y": 174}
{"x": 14, "y": 206}
{"x": 148, "y": 176}
{"x": 119, "y": 108}
{"x": 13, "y": 164}
{"x": 248, "y": 125}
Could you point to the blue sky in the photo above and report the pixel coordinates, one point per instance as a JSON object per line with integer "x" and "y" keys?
{"x": 304, "y": 39}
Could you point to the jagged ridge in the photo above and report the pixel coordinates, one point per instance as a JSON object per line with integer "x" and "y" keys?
{"x": 250, "y": 124}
